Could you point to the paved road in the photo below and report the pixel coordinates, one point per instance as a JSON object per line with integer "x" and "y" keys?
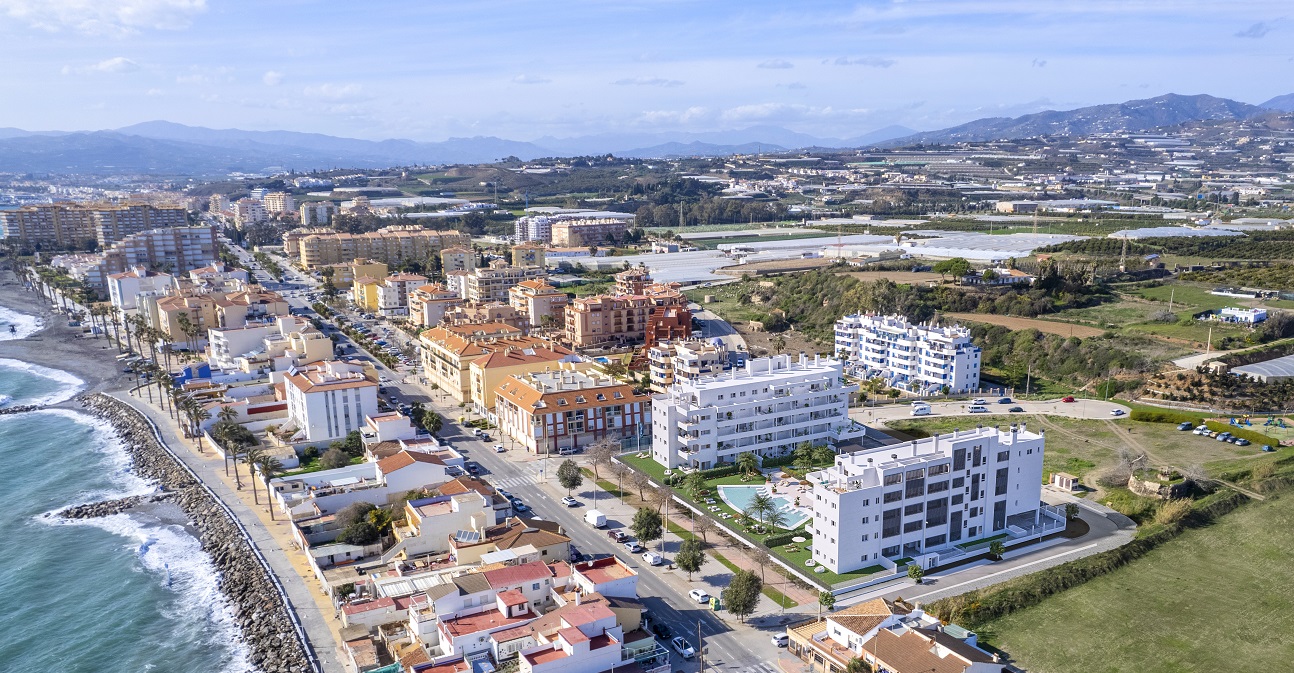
{"x": 714, "y": 326}
{"x": 1082, "y": 408}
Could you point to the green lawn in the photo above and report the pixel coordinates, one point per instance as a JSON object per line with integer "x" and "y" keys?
{"x": 1184, "y": 295}
{"x": 1213, "y": 599}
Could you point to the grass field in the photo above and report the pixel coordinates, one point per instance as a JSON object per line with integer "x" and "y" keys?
{"x": 1213, "y": 599}
{"x": 1183, "y": 294}
{"x": 1044, "y": 326}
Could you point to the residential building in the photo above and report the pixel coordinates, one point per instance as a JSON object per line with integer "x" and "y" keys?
{"x": 487, "y": 372}
{"x": 77, "y": 225}
{"x": 286, "y": 342}
{"x": 313, "y": 494}
{"x": 921, "y": 499}
{"x": 543, "y": 305}
{"x": 316, "y": 213}
{"x": 457, "y": 259}
{"x": 528, "y": 254}
{"x": 429, "y": 304}
{"x": 258, "y": 193}
{"x": 125, "y": 288}
{"x": 767, "y": 408}
{"x": 620, "y": 319}
{"x": 248, "y": 211}
{"x": 327, "y": 400}
{"x": 114, "y": 223}
{"x": 583, "y": 233}
{"x": 473, "y": 314}
{"x": 534, "y": 228}
{"x": 492, "y": 284}
{"x": 1242, "y": 316}
{"x": 633, "y": 281}
{"x": 667, "y": 323}
{"x": 345, "y": 273}
{"x": 220, "y": 275}
{"x": 394, "y": 290}
{"x": 218, "y": 203}
{"x": 363, "y": 293}
{"x": 684, "y": 360}
{"x": 921, "y": 358}
{"x": 390, "y": 245}
{"x": 563, "y": 408}
{"x": 174, "y": 250}
{"x": 545, "y": 536}
{"x": 448, "y": 351}
{"x": 277, "y": 203}
{"x": 429, "y": 523}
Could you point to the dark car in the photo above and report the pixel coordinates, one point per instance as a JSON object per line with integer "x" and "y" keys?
{"x": 1267, "y": 448}
{"x": 661, "y": 629}
{"x": 1186, "y": 425}
{"x": 576, "y": 555}
{"x": 1016, "y": 410}
{"x": 1004, "y": 400}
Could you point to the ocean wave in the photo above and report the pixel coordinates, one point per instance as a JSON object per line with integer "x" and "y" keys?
{"x": 70, "y": 389}
{"x": 24, "y": 325}
{"x": 176, "y": 559}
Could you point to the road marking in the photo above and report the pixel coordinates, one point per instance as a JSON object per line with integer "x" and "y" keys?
{"x": 1008, "y": 570}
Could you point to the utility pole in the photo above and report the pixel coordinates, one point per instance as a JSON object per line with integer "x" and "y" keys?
{"x": 700, "y": 646}
{"x": 1028, "y": 379}
{"x": 1171, "y": 292}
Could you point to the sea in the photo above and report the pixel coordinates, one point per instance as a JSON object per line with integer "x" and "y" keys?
{"x": 128, "y": 593}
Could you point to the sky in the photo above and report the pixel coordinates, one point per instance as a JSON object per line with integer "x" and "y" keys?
{"x": 522, "y": 70}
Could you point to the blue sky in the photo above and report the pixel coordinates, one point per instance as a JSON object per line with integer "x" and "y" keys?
{"x": 429, "y": 70}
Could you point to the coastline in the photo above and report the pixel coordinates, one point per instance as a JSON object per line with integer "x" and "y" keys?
{"x": 264, "y": 614}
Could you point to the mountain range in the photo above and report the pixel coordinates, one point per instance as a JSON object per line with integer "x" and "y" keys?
{"x": 162, "y": 147}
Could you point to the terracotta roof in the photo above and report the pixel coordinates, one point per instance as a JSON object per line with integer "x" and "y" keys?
{"x": 521, "y": 356}
{"x": 405, "y": 459}
{"x": 915, "y": 650}
{"x": 518, "y": 574}
{"x": 863, "y": 617}
{"x": 463, "y": 485}
{"x": 517, "y": 532}
{"x": 523, "y": 392}
{"x": 512, "y": 597}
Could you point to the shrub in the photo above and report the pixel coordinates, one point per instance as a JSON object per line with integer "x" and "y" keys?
{"x": 361, "y": 533}
{"x": 1165, "y": 416}
{"x": 779, "y": 539}
{"x": 1173, "y": 511}
{"x": 717, "y": 472}
{"x": 334, "y": 458}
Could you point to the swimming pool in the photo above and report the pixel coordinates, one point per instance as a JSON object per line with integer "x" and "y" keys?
{"x": 739, "y": 497}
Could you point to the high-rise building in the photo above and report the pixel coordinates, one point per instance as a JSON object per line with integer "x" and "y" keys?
{"x": 767, "y": 408}
{"x": 248, "y": 211}
{"x": 492, "y": 284}
{"x": 175, "y": 250}
{"x": 391, "y": 245}
{"x": 77, "y": 225}
{"x": 218, "y": 203}
{"x": 279, "y": 202}
{"x": 457, "y": 259}
{"x": 528, "y": 254}
{"x": 316, "y": 213}
{"x": 919, "y": 358}
{"x": 115, "y": 223}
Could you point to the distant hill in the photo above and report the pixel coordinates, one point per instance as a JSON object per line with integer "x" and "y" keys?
{"x": 1283, "y": 103}
{"x": 1135, "y": 115}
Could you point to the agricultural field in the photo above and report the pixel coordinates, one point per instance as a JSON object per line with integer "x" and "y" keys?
{"x": 1210, "y": 599}
{"x": 1044, "y": 326}
{"x": 1186, "y": 296}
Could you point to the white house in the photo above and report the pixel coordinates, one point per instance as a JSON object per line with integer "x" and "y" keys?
{"x": 125, "y": 288}
{"x": 767, "y": 408}
{"x": 1242, "y": 316}
{"x": 327, "y": 400}
{"x": 920, "y": 358}
{"x": 379, "y": 483}
{"x": 921, "y": 499}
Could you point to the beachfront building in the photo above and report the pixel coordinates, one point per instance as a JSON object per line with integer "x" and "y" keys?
{"x": 767, "y": 408}
{"x": 921, "y": 358}
{"x": 126, "y": 288}
{"x": 66, "y": 225}
{"x": 543, "y": 305}
{"x": 286, "y": 342}
{"x": 564, "y": 408}
{"x": 684, "y": 360}
{"x": 175, "y": 249}
{"x": 921, "y": 499}
{"x": 379, "y": 483}
{"x": 327, "y": 400}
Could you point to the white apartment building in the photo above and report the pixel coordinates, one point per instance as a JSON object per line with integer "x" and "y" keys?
{"x": 327, "y": 400}
{"x": 316, "y": 213}
{"x": 921, "y": 499}
{"x": 767, "y": 408}
{"x": 248, "y": 211}
{"x": 918, "y": 358}
{"x": 689, "y": 360}
{"x": 534, "y": 228}
{"x": 279, "y": 202}
{"x": 393, "y": 293}
{"x": 125, "y": 288}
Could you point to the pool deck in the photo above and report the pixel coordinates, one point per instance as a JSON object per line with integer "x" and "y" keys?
{"x": 787, "y": 506}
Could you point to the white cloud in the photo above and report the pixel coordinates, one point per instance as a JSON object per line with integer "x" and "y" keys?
{"x": 115, "y": 65}
{"x": 272, "y": 78}
{"x": 154, "y": 92}
{"x": 776, "y": 64}
{"x": 335, "y": 92}
{"x": 530, "y": 79}
{"x": 869, "y": 61}
{"x": 793, "y": 85}
{"x": 100, "y": 17}
{"x": 648, "y": 81}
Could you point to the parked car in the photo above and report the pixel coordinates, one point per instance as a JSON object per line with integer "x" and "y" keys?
{"x": 1185, "y": 425}
{"x": 661, "y": 629}
{"x": 520, "y": 506}
{"x": 617, "y": 535}
{"x": 633, "y": 547}
{"x": 1223, "y": 437}
{"x": 1117, "y": 412}
{"x": 780, "y": 640}
{"x": 1015, "y": 410}
{"x": 570, "y": 502}
{"x": 1267, "y": 448}
{"x": 653, "y": 559}
{"x": 498, "y": 448}
{"x": 1067, "y": 398}
{"x": 699, "y": 596}
{"x": 680, "y": 645}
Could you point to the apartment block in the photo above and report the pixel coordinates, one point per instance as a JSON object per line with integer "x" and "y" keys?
{"x": 488, "y": 372}
{"x": 279, "y": 202}
{"x": 543, "y": 305}
{"x": 534, "y": 228}
{"x": 562, "y": 408}
{"x": 684, "y": 360}
{"x": 218, "y": 203}
{"x": 316, "y": 213}
{"x": 175, "y": 250}
{"x": 77, "y": 225}
{"x": 527, "y": 254}
{"x": 429, "y": 304}
{"x": 492, "y": 284}
{"x": 390, "y": 245}
{"x": 394, "y": 291}
{"x": 114, "y": 223}
{"x": 767, "y": 408}
{"x": 921, "y": 499}
{"x": 920, "y": 358}
{"x": 457, "y": 259}
{"x": 328, "y": 400}
{"x": 583, "y": 233}
{"x": 248, "y": 211}
{"x": 125, "y": 288}
{"x": 448, "y": 352}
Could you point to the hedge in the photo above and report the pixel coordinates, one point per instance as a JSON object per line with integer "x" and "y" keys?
{"x": 980, "y": 606}
{"x": 1158, "y": 416}
{"x": 1253, "y": 436}
{"x": 783, "y": 538}
{"x": 718, "y": 472}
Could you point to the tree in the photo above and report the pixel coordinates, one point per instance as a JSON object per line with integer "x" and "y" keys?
{"x": 647, "y": 525}
{"x": 826, "y": 600}
{"x": 694, "y": 483}
{"x": 759, "y": 506}
{"x": 600, "y": 455}
{"x": 251, "y": 458}
{"x": 619, "y": 471}
{"x": 747, "y": 463}
{"x": 741, "y": 597}
{"x": 823, "y": 453}
{"x": 916, "y": 573}
{"x": 956, "y": 267}
{"x": 360, "y": 534}
{"x": 569, "y": 476}
{"x": 996, "y": 549}
{"x": 989, "y": 275}
{"x": 1071, "y": 511}
{"x": 270, "y": 468}
{"x": 690, "y": 556}
{"x": 639, "y": 481}
{"x": 353, "y": 513}
{"x": 333, "y": 459}
{"x": 704, "y": 525}
{"x": 779, "y": 344}
{"x": 660, "y": 497}
{"x": 856, "y": 665}
{"x": 774, "y": 518}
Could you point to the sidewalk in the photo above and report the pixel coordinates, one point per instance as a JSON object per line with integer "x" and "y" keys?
{"x": 273, "y": 538}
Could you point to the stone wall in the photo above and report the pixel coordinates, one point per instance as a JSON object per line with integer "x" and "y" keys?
{"x": 261, "y": 608}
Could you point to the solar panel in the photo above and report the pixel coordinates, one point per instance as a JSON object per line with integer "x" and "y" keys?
{"x": 467, "y": 536}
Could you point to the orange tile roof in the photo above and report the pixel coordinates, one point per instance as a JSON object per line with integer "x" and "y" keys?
{"x": 520, "y": 356}
{"x": 405, "y": 459}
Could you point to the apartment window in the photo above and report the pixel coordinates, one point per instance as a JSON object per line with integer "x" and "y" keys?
{"x": 974, "y": 487}
{"x": 866, "y": 519}
{"x": 936, "y": 541}
{"x": 999, "y": 482}
{"x": 999, "y": 515}
{"x": 892, "y": 479}
{"x": 915, "y": 488}
{"x": 915, "y": 508}
{"x": 974, "y": 512}
{"x": 1003, "y": 456}
{"x": 890, "y": 520}
{"x": 534, "y": 587}
{"x": 893, "y": 496}
{"x": 912, "y": 526}
{"x": 959, "y": 459}
{"x": 890, "y": 551}
{"x": 937, "y": 487}
{"x": 937, "y": 512}
{"x": 977, "y": 457}
{"x": 915, "y": 474}
{"x": 958, "y": 499}
{"x": 959, "y": 482}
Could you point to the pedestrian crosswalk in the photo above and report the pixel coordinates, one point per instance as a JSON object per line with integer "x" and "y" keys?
{"x": 511, "y": 482}
{"x": 743, "y": 666}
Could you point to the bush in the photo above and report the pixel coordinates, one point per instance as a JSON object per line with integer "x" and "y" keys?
{"x": 311, "y": 453}
{"x": 360, "y": 533}
{"x": 717, "y": 472}
{"x": 1173, "y": 511}
{"x": 779, "y": 539}
{"x": 334, "y": 458}
{"x": 1165, "y": 416}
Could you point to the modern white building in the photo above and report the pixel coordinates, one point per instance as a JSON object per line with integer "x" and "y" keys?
{"x": 685, "y": 360}
{"x": 125, "y": 288}
{"x": 768, "y": 407}
{"x": 921, "y": 499}
{"x": 328, "y": 400}
{"x": 1242, "y": 316}
{"x": 920, "y": 358}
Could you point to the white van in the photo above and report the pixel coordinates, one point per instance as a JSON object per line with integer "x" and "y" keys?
{"x": 977, "y": 409}
{"x": 595, "y": 518}
{"x": 920, "y": 410}
{"x": 653, "y": 559}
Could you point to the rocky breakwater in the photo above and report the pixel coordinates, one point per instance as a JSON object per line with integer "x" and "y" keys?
{"x": 20, "y": 409}
{"x": 261, "y": 610}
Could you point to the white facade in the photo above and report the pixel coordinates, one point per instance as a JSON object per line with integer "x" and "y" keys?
{"x": 534, "y": 228}
{"x": 124, "y": 289}
{"x": 1244, "y": 316}
{"x": 919, "y": 358}
{"x": 767, "y": 408}
{"x": 685, "y": 361}
{"x": 328, "y": 400}
{"x": 916, "y": 499}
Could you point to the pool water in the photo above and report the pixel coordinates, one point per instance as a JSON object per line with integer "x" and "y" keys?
{"x": 739, "y": 497}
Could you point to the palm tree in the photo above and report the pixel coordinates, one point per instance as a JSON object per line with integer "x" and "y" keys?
{"x": 779, "y": 344}
{"x": 759, "y": 506}
{"x": 747, "y": 463}
{"x": 227, "y": 414}
{"x": 775, "y": 518}
{"x": 270, "y": 468}
{"x": 252, "y": 458}
{"x": 199, "y": 415}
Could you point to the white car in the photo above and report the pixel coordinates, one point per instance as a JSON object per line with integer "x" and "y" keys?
{"x": 498, "y": 448}
{"x": 569, "y": 501}
{"x": 699, "y": 596}
{"x": 979, "y": 400}
{"x": 633, "y": 547}
{"x": 680, "y": 645}
{"x": 1117, "y": 412}
{"x": 780, "y": 639}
